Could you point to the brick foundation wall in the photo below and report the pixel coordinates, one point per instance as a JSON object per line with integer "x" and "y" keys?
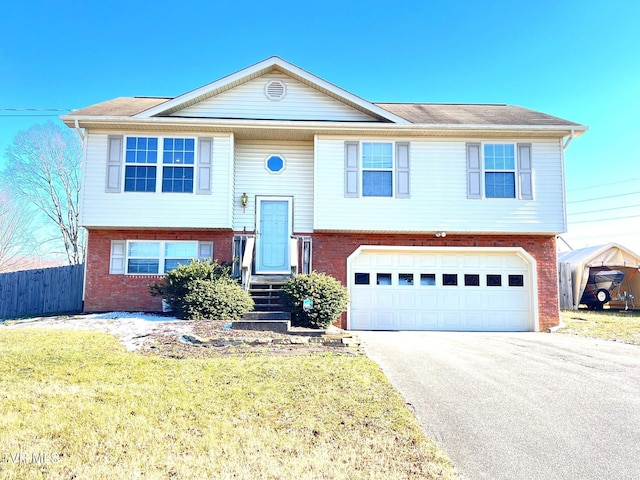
{"x": 330, "y": 251}
{"x": 106, "y": 292}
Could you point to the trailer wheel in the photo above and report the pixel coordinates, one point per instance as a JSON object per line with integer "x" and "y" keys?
{"x": 603, "y": 296}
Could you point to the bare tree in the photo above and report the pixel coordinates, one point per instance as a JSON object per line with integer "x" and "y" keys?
{"x": 14, "y": 223}
{"x": 43, "y": 170}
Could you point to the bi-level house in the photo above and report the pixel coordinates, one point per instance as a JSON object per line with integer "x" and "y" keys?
{"x": 434, "y": 216}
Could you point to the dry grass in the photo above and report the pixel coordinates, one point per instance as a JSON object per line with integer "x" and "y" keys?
{"x": 606, "y": 324}
{"x": 76, "y": 405}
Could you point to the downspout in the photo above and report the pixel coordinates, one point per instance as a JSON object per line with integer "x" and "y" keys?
{"x": 566, "y": 143}
{"x": 79, "y": 131}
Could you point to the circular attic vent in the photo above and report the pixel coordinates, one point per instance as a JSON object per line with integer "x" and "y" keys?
{"x": 275, "y": 90}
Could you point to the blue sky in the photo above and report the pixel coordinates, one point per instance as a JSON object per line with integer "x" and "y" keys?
{"x": 578, "y": 60}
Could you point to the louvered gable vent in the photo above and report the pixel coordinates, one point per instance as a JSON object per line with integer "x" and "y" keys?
{"x": 275, "y": 90}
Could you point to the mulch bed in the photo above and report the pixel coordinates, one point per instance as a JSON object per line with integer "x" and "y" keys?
{"x": 170, "y": 346}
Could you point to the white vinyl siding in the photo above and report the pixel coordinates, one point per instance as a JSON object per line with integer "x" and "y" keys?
{"x": 248, "y": 101}
{"x": 156, "y": 209}
{"x": 439, "y": 200}
{"x": 253, "y": 178}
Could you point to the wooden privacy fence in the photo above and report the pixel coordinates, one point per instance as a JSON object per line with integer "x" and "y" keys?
{"x": 44, "y": 291}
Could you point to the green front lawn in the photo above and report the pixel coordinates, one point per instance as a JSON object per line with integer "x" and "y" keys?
{"x": 76, "y": 405}
{"x": 606, "y": 324}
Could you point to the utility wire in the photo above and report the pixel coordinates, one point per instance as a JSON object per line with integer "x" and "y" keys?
{"x": 604, "y": 184}
{"x": 603, "y": 198}
{"x": 604, "y": 210}
{"x": 605, "y": 219}
{"x": 34, "y": 110}
{"x": 31, "y": 112}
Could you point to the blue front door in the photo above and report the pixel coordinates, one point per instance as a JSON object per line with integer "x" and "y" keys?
{"x": 274, "y": 230}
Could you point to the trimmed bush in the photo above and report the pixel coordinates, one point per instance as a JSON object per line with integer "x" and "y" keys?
{"x": 174, "y": 286}
{"x": 215, "y": 299}
{"x": 329, "y": 297}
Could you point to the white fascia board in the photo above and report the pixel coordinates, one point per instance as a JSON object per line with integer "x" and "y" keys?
{"x": 265, "y": 66}
{"x": 318, "y": 125}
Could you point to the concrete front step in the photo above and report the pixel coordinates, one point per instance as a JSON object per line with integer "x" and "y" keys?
{"x": 276, "y": 315}
{"x": 278, "y": 326}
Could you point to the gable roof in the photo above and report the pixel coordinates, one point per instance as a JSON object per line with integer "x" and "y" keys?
{"x": 410, "y": 117}
{"x": 260, "y": 69}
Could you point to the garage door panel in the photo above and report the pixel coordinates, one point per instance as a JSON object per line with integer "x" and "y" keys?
{"x": 384, "y": 320}
{"x": 472, "y": 320}
{"x": 472, "y": 300}
{"x": 413, "y": 301}
{"x": 450, "y": 299}
{"x": 450, "y": 261}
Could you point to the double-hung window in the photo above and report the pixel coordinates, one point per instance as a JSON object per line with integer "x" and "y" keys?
{"x": 499, "y": 170}
{"x": 177, "y": 158}
{"x": 154, "y": 257}
{"x": 153, "y": 164}
{"x": 377, "y": 169}
{"x": 141, "y": 157}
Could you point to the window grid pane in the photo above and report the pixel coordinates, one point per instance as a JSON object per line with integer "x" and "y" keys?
{"x": 140, "y": 179}
{"x": 377, "y": 155}
{"x": 177, "y": 179}
{"x": 405, "y": 279}
{"x": 181, "y": 249}
{"x": 178, "y": 151}
{"x": 144, "y": 249}
{"x": 500, "y": 185}
{"x": 428, "y": 279}
{"x": 141, "y": 150}
{"x": 377, "y": 184}
{"x": 137, "y": 265}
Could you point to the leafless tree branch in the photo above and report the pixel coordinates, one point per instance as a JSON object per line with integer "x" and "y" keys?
{"x": 43, "y": 170}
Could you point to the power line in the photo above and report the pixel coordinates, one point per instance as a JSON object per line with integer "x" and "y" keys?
{"x": 603, "y": 198}
{"x": 32, "y": 112}
{"x": 29, "y": 115}
{"x": 605, "y": 210}
{"x": 604, "y": 184}
{"x": 35, "y": 110}
{"x": 605, "y": 219}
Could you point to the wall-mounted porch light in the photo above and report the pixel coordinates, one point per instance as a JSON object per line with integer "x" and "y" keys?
{"x": 243, "y": 201}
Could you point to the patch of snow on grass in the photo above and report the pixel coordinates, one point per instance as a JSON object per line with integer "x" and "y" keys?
{"x": 134, "y": 330}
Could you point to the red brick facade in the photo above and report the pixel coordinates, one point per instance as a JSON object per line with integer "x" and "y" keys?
{"x": 330, "y": 251}
{"x": 107, "y": 292}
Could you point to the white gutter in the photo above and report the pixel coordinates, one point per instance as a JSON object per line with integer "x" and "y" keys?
{"x": 318, "y": 125}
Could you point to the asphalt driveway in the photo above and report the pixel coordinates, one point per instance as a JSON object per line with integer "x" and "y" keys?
{"x": 520, "y": 405}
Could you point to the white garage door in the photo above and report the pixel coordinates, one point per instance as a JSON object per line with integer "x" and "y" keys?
{"x": 423, "y": 288}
